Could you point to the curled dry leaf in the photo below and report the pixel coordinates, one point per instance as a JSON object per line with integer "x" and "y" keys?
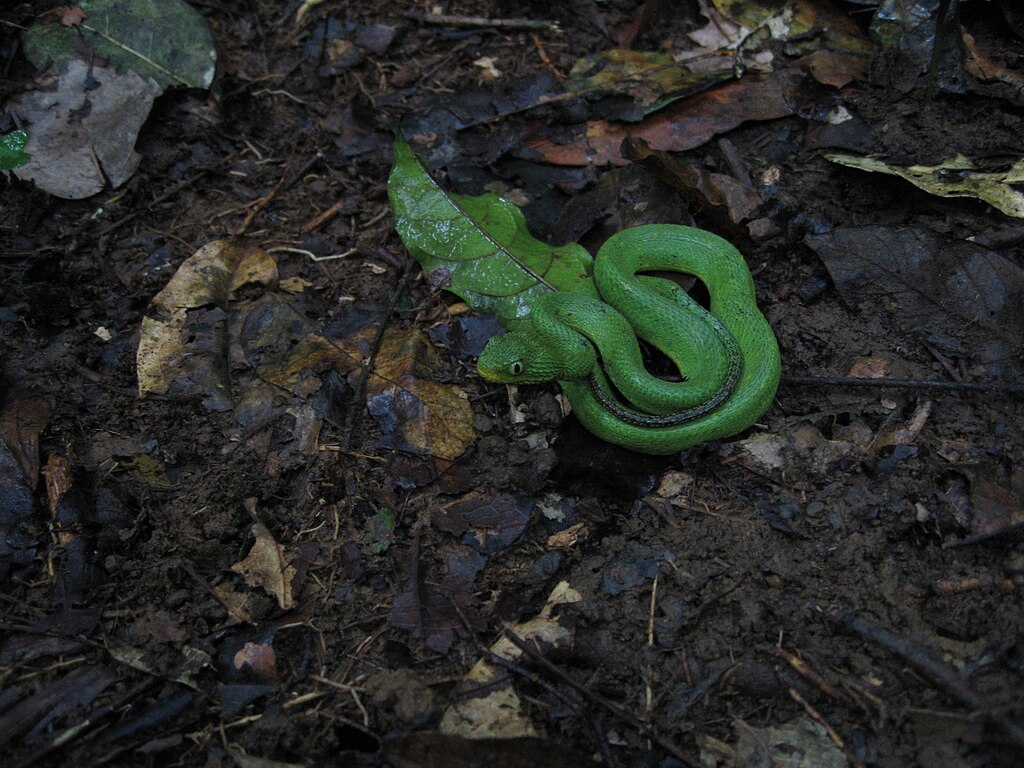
{"x": 266, "y": 566}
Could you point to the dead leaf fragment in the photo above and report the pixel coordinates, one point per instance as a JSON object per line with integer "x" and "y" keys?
{"x": 182, "y": 344}
{"x": 20, "y": 425}
{"x": 684, "y": 125}
{"x": 259, "y": 657}
{"x": 416, "y": 413}
{"x": 924, "y": 281}
{"x": 956, "y": 177}
{"x": 493, "y": 522}
{"x": 82, "y": 134}
{"x": 267, "y": 567}
{"x": 496, "y": 711}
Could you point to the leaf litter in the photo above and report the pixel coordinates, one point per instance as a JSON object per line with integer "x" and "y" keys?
{"x": 896, "y": 503}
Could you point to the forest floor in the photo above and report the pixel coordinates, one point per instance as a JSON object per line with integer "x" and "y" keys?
{"x": 271, "y": 557}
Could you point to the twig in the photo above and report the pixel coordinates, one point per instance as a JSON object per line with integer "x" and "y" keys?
{"x": 480, "y": 22}
{"x": 614, "y": 709}
{"x": 952, "y": 386}
{"x": 833, "y": 734}
{"x": 360, "y": 388}
{"x": 807, "y": 672}
{"x": 938, "y": 674}
{"x": 260, "y": 204}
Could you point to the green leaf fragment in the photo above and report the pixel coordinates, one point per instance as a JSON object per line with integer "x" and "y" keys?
{"x": 479, "y": 248}
{"x": 166, "y": 40}
{"x": 11, "y": 146}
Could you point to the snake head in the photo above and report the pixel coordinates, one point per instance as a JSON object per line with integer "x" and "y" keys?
{"x": 508, "y": 359}
{"x": 521, "y": 357}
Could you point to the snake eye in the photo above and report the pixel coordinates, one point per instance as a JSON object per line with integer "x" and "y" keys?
{"x": 516, "y": 368}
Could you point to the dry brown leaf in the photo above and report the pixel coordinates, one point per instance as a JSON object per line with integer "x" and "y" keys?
{"x": 266, "y": 566}
{"x": 168, "y": 357}
{"x": 259, "y": 657}
{"x": 417, "y": 413}
{"x": 684, "y": 125}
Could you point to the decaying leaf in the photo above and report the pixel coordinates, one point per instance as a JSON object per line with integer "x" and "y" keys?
{"x": 415, "y": 412}
{"x": 722, "y": 201}
{"x": 496, "y": 711}
{"x": 650, "y": 79}
{"x": 165, "y": 41}
{"x": 492, "y": 522}
{"x": 953, "y": 178}
{"x": 267, "y": 566}
{"x": 258, "y": 657}
{"x": 20, "y": 425}
{"x": 182, "y": 346}
{"x": 924, "y": 282}
{"x": 684, "y": 125}
{"x": 799, "y": 743}
{"x": 82, "y": 136}
{"x": 434, "y": 612}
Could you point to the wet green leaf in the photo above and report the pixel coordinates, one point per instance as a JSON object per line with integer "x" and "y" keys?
{"x": 166, "y": 40}
{"x": 11, "y": 150}
{"x": 479, "y": 247}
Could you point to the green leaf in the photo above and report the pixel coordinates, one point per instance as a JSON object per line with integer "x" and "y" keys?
{"x": 380, "y": 530}
{"x": 163, "y": 39}
{"x": 479, "y": 247}
{"x": 11, "y": 146}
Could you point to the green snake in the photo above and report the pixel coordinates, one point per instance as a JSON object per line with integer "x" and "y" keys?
{"x": 727, "y": 357}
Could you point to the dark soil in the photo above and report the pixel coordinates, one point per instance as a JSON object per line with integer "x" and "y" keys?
{"x": 848, "y": 572}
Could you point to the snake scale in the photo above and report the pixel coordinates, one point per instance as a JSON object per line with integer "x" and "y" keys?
{"x": 727, "y": 357}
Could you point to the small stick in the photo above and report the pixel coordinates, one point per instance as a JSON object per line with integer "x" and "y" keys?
{"x": 940, "y": 675}
{"x": 815, "y": 715}
{"x": 559, "y": 75}
{"x": 617, "y": 711}
{"x": 259, "y": 205}
{"x": 807, "y": 672}
{"x": 952, "y": 386}
{"x": 480, "y": 22}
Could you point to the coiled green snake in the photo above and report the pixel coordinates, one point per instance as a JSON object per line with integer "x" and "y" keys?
{"x": 728, "y": 358}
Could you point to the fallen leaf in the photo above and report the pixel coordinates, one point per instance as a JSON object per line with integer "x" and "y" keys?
{"x": 722, "y": 201}
{"x": 416, "y": 413}
{"x": 82, "y": 134}
{"x": 651, "y": 80}
{"x": 183, "y": 344}
{"x": 166, "y": 42}
{"x": 496, "y": 710}
{"x": 798, "y": 743}
{"x": 57, "y": 473}
{"x": 267, "y": 567}
{"x": 493, "y": 522}
{"x": 923, "y": 281}
{"x": 429, "y": 610}
{"x": 259, "y": 657}
{"x": 953, "y": 178}
{"x": 20, "y": 425}
{"x": 684, "y": 125}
